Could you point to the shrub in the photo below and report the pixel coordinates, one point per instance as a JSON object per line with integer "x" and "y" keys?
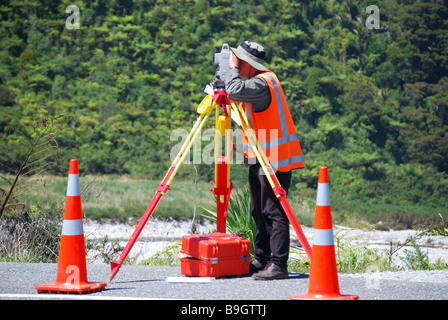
{"x": 31, "y": 236}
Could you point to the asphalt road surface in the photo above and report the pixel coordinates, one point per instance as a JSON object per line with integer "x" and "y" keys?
{"x": 18, "y": 281}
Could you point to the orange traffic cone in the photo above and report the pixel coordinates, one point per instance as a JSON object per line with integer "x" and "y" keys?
{"x": 323, "y": 281}
{"x": 72, "y": 272}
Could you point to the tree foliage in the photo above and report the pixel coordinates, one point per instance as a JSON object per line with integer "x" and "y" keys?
{"x": 372, "y": 104}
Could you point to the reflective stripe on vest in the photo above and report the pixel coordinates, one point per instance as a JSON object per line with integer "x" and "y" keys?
{"x": 287, "y": 162}
{"x": 294, "y": 158}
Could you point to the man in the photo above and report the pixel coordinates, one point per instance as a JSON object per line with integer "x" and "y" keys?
{"x": 267, "y": 110}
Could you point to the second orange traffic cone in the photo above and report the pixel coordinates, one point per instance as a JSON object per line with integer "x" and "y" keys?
{"x": 72, "y": 271}
{"x": 323, "y": 281}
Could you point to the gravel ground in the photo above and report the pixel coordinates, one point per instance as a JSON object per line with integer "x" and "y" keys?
{"x": 157, "y": 235}
{"x": 17, "y": 280}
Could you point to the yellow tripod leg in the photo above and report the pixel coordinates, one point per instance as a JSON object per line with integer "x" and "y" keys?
{"x": 253, "y": 141}
{"x": 204, "y": 109}
{"x": 164, "y": 186}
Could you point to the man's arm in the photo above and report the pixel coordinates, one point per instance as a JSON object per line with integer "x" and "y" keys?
{"x": 254, "y": 91}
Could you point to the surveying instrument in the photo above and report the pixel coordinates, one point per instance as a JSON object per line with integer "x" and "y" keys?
{"x": 217, "y": 254}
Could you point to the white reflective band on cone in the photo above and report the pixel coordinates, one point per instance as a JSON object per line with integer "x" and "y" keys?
{"x": 72, "y": 228}
{"x": 323, "y": 194}
{"x": 73, "y": 185}
{"x": 323, "y": 237}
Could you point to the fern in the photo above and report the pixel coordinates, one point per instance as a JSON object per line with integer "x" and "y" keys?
{"x": 239, "y": 219}
{"x": 416, "y": 259}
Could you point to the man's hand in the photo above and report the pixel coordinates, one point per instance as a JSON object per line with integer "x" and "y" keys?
{"x": 233, "y": 60}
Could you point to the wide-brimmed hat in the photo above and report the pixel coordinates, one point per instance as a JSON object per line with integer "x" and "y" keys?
{"x": 252, "y": 53}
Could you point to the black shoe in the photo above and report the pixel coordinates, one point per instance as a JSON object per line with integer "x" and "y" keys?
{"x": 256, "y": 266}
{"x": 273, "y": 272}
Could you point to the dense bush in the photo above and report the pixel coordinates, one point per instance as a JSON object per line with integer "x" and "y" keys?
{"x": 32, "y": 236}
{"x": 371, "y": 104}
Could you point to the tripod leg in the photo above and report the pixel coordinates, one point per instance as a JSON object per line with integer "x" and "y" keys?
{"x": 272, "y": 178}
{"x": 162, "y": 189}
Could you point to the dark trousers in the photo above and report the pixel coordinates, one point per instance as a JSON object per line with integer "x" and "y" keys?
{"x": 272, "y": 239}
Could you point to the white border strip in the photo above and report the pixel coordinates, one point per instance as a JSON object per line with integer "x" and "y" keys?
{"x": 46, "y": 296}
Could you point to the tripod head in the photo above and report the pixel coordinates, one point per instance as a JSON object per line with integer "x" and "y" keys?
{"x": 222, "y": 60}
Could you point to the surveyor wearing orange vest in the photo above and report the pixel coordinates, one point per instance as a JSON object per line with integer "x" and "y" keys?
{"x": 268, "y": 113}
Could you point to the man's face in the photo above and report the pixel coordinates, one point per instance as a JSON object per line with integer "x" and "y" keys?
{"x": 246, "y": 69}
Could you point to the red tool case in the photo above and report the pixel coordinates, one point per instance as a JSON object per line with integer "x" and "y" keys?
{"x": 215, "y": 255}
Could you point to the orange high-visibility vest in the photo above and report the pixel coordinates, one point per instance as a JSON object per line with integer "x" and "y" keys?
{"x": 275, "y": 130}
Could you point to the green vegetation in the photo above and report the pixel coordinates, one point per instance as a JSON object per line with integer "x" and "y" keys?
{"x": 31, "y": 236}
{"x": 120, "y": 197}
{"x": 371, "y": 104}
{"x": 350, "y": 258}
